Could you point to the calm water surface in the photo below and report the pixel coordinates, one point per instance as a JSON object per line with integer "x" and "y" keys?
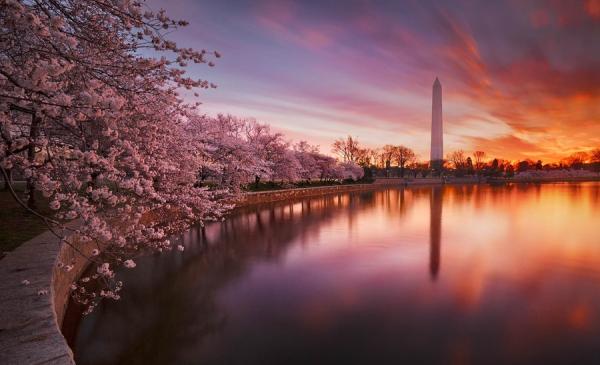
{"x": 453, "y": 275}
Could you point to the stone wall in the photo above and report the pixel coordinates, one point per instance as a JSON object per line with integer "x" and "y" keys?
{"x": 407, "y": 181}
{"x": 29, "y": 326}
{"x": 290, "y": 194}
{"x": 62, "y": 280}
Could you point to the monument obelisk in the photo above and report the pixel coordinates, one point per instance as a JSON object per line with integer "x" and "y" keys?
{"x": 437, "y": 132}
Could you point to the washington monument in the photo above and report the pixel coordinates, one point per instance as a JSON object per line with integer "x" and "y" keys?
{"x": 437, "y": 132}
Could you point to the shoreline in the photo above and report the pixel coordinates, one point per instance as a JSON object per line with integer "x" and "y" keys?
{"x": 270, "y": 196}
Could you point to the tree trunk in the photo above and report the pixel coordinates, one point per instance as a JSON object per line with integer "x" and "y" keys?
{"x": 33, "y": 135}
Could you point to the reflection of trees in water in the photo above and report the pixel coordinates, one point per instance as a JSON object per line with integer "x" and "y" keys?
{"x": 482, "y": 195}
{"x": 169, "y": 305}
{"x": 595, "y": 195}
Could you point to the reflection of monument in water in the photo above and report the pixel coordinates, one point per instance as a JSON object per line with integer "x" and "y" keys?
{"x": 435, "y": 230}
{"x": 437, "y": 130}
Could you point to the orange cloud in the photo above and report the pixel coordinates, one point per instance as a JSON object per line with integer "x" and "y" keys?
{"x": 592, "y": 8}
{"x": 579, "y": 317}
{"x": 509, "y": 147}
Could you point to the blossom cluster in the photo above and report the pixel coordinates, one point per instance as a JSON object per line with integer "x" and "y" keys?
{"x": 241, "y": 151}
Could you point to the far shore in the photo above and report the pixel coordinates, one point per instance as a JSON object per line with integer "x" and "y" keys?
{"x": 474, "y": 180}
{"x": 271, "y": 196}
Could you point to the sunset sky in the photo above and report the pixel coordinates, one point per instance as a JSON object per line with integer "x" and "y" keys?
{"x": 521, "y": 79}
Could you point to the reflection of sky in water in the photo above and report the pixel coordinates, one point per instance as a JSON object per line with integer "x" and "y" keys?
{"x": 500, "y": 274}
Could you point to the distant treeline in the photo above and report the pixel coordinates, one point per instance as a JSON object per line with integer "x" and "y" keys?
{"x": 401, "y": 161}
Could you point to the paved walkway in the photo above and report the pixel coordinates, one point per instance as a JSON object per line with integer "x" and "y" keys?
{"x": 29, "y": 333}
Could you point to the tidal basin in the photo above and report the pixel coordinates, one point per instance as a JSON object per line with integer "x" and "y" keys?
{"x": 441, "y": 275}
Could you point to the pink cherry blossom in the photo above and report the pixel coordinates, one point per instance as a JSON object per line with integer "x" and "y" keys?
{"x": 129, "y": 264}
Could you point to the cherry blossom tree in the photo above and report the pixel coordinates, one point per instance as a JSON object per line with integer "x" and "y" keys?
{"x": 307, "y": 157}
{"x": 229, "y": 158}
{"x": 350, "y": 170}
{"x": 327, "y": 166}
{"x": 276, "y": 160}
{"x": 100, "y": 129}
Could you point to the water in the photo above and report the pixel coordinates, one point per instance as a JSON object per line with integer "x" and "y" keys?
{"x": 453, "y": 275}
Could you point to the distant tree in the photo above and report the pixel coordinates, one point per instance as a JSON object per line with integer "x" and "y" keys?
{"x": 595, "y": 158}
{"x": 494, "y": 169}
{"x": 510, "y": 171}
{"x": 327, "y": 167}
{"x": 349, "y": 171}
{"x": 479, "y": 157}
{"x": 366, "y": 157}
{"x": 387, "y": 153}
{"x": 270, "y": 148}
{"x": 459, "y": 161}
{"x": 362, "y": 157}
{"x": 523, "y": 166}
{"x": 494, "y": 164}
{"x": 539, "y": 165}
{"x": 470, "y": 168}
{"x": 348, "y": 149}
{"x": 402, "y": 156}
{"x": 229, "y": 158}
{"x": 577, "y": 160}
{"x": 306, "y": 155}
{"x": 286, "y": 166}
{"x": 374, "y": 156}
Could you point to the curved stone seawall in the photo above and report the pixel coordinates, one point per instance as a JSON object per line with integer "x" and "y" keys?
{"x": 288, "y": 194}
{"x": 30, "y": 290}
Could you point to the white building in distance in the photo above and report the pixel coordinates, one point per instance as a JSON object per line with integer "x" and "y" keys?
{"x": 437, "y": 130}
